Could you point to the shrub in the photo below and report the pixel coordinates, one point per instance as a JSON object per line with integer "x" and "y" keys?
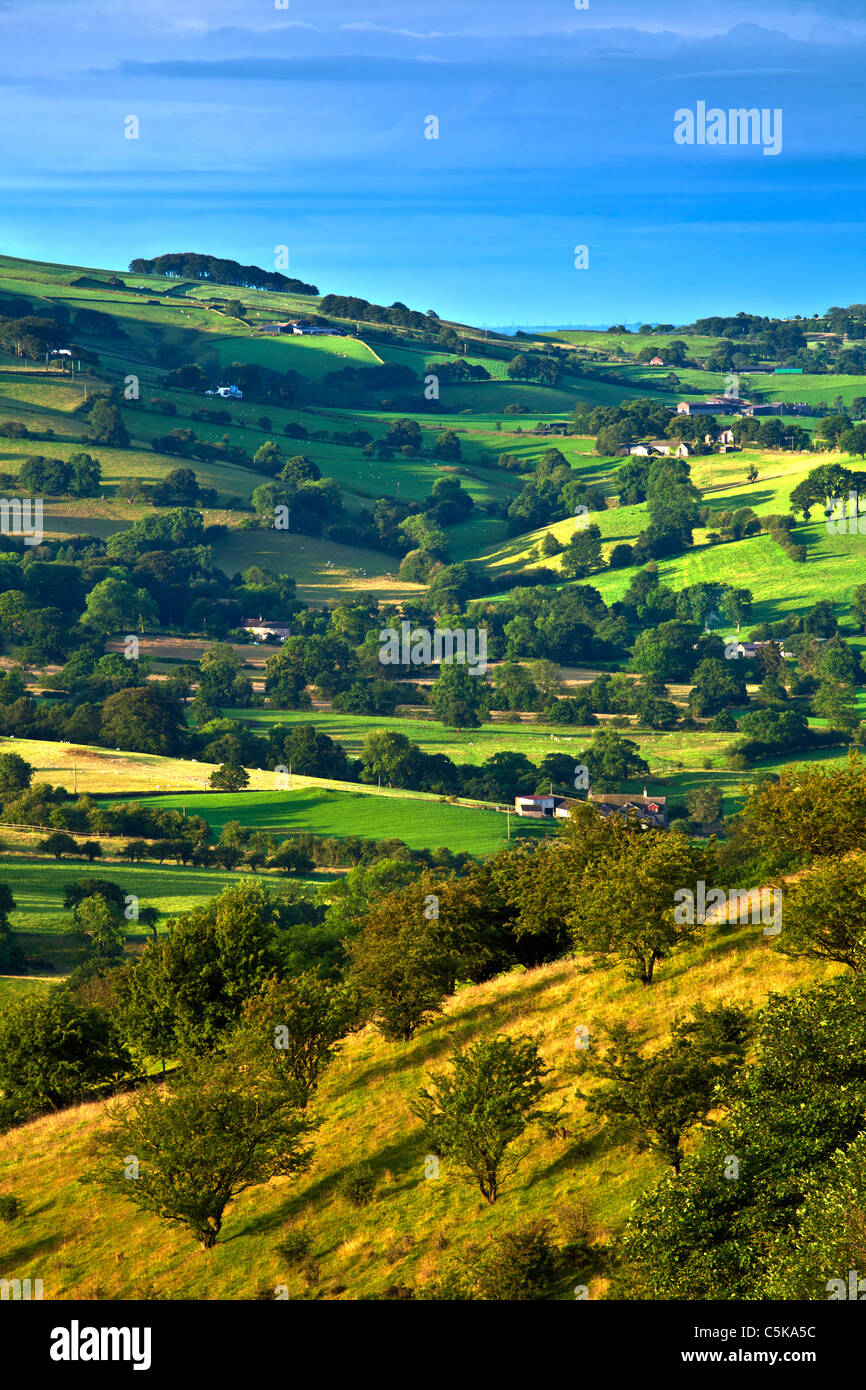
{"x": 518, "y": 1265}
{"x": 358, "y": 1185}
{"x": 294, "y": 1247}
{"x": 10, "y": 1207}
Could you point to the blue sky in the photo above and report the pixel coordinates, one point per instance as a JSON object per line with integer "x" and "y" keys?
{"x": 304, "y": 126}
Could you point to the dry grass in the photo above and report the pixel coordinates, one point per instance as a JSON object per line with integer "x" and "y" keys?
{"x": 71, "y": 1235}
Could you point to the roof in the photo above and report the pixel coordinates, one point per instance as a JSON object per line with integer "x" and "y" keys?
{"x": 265, "y": 622}
{"x": 630, "y": 799}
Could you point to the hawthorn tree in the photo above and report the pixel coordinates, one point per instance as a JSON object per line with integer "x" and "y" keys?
{"x": 474, "y": 1117}
{"x": 185, "y": 1153}
{"x": 664, "y": 1095}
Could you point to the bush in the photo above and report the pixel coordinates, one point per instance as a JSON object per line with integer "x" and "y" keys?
{"x": 358, "y": 1185}
{"x": 723, "y": 723}
{"x": 10, "y": 1207}
{"x": 621, "y": 556}
{"x": 518, "y": 1265}
{"x": 294, "y": 1248}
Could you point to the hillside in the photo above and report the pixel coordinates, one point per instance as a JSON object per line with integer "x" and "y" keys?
{"x": 101, "y": 1248}
{"x": 330, "y": 603}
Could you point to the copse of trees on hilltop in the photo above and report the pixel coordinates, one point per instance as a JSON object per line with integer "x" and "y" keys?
{"x": 350, "y": 307}
{"x": 196, "y": 266}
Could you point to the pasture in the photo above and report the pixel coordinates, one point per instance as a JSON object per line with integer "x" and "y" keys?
{"x": 426, "y": 824}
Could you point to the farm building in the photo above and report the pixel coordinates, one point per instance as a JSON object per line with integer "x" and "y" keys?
{"x": 273, "y": 330}
{"x": 233, "y": 393}
{"x": 263, "y": 628}
{"x": 652, "y": 810}
{"x": 752, "y": 649}
{"x": 649, "y": 447}
{"x": 309, "y": 330}
{"x": 540, "y": 806}
{"x": 720, "y": 405}
{"x": 656, "y": 362}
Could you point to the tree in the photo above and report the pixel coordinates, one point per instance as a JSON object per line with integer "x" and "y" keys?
{"x": 447, "y": 446}
{"x": 836, "y": 701}
{"x": 664, "y": 1095}
{"x": 667, "y": 651}
{"x": 716, "y": 683}
{"x": 105, "y": 426}
{"x": 55, "y": 1051}
{"x": 423, "y": 532}
{"x": 825, "y": 912}
{"x": 830, "y": 1238}
{"x": 268, "y": 458}
{"x": 624, "y": 903}
{"x": 460, "y": 699}
{"x": 514, "y": 686}
{"x": 808, "y": 812}
{"x": 611, "y": 759}
{"x": 400, "y": 964}
{"x": 474, "y": 1117}
{"x": 11, "y": 956}
{"x": 230, "y": 777}
{"x": 144, "y": 719}
{"x": 113, "y": 604}
{"x": 15, "y": 775}
{"x": 293, "y": 1030}
{"x": 86, "y": 475}
{"x": 791, "y": 1109}
{"x": 202, "y": 973}
{"x": 57, "y": 844}
{"x": 704, "y": 804}
{"x": 102, "y": 925}
{"x": 582, "y": 555}
{"x": 216, "y": 1132}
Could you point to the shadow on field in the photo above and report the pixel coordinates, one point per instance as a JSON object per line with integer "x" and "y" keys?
{"x": 29, "y": 1250}
{"x": 423, "y": 1048}
{"x": 405, "y": 1158}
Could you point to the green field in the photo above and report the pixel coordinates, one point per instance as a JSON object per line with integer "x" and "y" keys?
{"x": 37, "y": 886}
{"x": 420, "y": 824}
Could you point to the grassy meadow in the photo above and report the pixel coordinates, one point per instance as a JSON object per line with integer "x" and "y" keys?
{"x": 87, "y": 1244}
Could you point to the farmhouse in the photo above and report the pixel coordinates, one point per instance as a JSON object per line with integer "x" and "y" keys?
{"x": 752, "y": 649}
{"x": 649, "y": 447}
{"x": 540, "y": 806}
{"x": 309, "y": 330}
{"x": 656, "y": 362}
{"x": 651, "y": 810}
{"x": 719, "y": 405}
{"x": 273, "y": 330}
{"x": 263, "y": 628}
{"x": 233, "y": 393}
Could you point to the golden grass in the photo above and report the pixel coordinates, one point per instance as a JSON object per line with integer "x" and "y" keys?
{"x": 87, "y": 1245}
